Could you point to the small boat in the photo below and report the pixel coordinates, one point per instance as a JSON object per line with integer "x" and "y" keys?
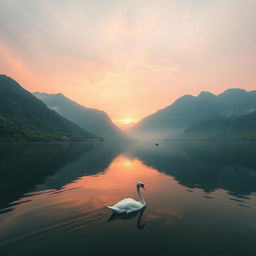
{"x": 157, "y": 144}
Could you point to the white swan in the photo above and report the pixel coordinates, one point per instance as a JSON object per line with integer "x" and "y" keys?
{"x": 129, "y": 205}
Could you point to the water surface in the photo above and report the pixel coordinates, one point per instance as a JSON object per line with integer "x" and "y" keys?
{"x": 201, "y": 199}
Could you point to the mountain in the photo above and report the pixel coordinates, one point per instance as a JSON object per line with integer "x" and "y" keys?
{"x": 231, "y": 128}
{"x": 187, "y": 110}
{"x": 25, "y": 118}
{"x": 92, "y": 120}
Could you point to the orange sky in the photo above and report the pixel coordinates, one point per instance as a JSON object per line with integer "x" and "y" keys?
{"x": 128, "y": 58}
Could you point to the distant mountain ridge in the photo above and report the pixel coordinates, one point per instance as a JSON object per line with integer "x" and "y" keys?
{"x": 231, "y": 128}
{"x": 188, "y": 110}
{"x": 92, "y": 120}
{"x": 25, "y": 118}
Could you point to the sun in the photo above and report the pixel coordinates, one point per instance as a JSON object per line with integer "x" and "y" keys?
{"x": 127, "y": 121}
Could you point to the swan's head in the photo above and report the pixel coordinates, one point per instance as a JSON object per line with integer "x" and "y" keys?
{"x": 140, "y": 185}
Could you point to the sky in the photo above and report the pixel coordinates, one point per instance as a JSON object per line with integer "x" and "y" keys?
{"x": 128, "y": 58}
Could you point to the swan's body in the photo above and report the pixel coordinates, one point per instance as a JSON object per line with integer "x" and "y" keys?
{"x": 126, "y": 205}
{"x": 129, "y": 205}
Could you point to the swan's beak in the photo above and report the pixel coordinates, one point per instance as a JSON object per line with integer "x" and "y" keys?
{"x": 144, "y": 188}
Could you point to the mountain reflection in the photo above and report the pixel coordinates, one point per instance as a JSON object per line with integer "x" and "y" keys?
{"x": 23, "y": 167}
{"x": 35, "y": 167}
{"x": 208, "y": 166}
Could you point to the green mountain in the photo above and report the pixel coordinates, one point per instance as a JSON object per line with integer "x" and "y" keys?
{"x": 188, "y": 110}
{"x": 92, "y": 120}
{"x": 232, "y": 128}
{"x": 25, "y": 118}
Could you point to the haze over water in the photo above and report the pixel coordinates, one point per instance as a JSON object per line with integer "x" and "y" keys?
{"x": 200, "y": 199}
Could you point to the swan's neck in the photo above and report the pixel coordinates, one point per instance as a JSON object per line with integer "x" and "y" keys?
{"x": 140, "y": 196}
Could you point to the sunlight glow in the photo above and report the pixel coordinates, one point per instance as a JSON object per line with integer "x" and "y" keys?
{"x": 126, "y": 121}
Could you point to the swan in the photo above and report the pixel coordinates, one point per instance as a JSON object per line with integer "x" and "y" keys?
{"x": 129, "y": 205}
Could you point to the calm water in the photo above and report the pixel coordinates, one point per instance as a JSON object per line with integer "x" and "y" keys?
{"x": 201, "y": 199}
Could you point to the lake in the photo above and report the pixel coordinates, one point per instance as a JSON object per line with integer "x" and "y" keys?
{"x": 201, "y": 198}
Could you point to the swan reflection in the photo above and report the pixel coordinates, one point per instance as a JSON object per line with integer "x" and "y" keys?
{"x": 126, "y": 216}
